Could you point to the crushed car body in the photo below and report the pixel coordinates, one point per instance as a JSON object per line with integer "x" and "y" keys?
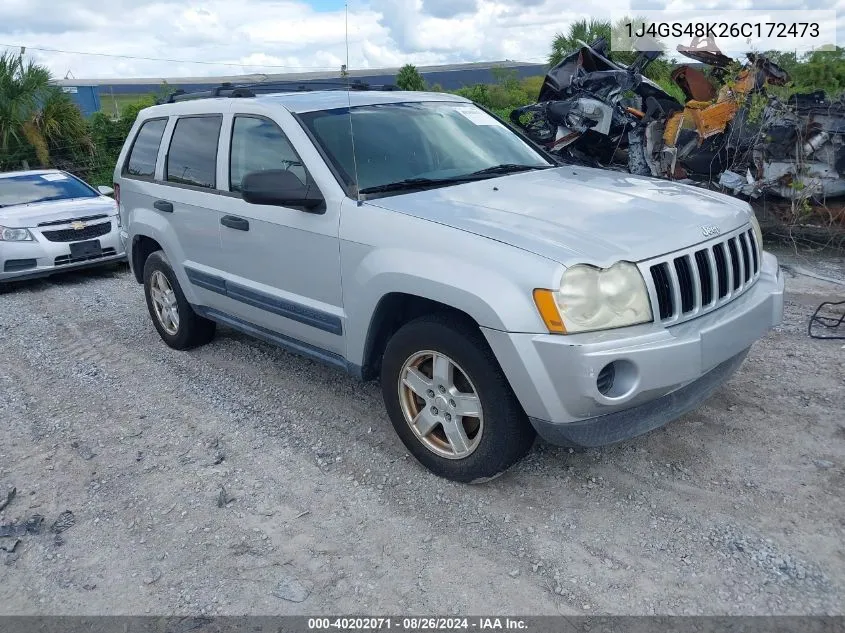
{"x": 738, "y": 137}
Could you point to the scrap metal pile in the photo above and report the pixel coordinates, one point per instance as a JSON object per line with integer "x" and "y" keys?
{"x": 596, "y": 112}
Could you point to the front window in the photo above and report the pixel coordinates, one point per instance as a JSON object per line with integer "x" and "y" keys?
{"x": 418, "y": 144}
{"x": 259, "y": 145}
{"x": 34, "y": 188}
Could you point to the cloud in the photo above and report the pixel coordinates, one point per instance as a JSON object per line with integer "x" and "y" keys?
{"x": 275, "y": 36}
{"x": 449, "y": 8}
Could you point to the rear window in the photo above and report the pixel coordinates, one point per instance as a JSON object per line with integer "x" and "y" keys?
{"x": 192, "y": 158}
{"x": 32, "y": 188}
{"x": 142, "y": 158}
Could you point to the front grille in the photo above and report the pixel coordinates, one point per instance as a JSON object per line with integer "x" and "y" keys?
{"x": 76, "y": 235}
{"x": 702, "y": 279}
{"x": 66, "y": 259}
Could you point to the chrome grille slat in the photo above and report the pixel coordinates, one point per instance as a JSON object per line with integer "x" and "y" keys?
{"x": 741, "y": 260}
{"x": 676, "y": 290}
{"x": 714, "y": 277}
{"x": 697, "y": 299}
{"x": 746, "y": 257}
{"x": 731, "y": 264}
{"x": 730, "y": 268}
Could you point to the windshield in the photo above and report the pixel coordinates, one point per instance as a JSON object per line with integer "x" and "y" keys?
{"x": 31, "y": 188}
{"x": 411, "y": 141}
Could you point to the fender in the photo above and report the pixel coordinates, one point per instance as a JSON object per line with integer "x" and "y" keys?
{"x": 147, "y": 223}
{"x": 494, "y": 300}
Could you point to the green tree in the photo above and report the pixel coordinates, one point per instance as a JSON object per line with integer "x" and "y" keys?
{"x": 583, "y": 30}
{"x": 409, "y": 78}
{"x": 39, "y": 124}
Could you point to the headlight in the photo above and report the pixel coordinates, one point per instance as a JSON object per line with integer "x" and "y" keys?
{"x": 14, "y": 235}
{"x": 593, "y": 298}
{"x": 758, "y": 233}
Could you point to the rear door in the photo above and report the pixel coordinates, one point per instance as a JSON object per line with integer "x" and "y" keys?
{"x": 188, "y": 199}
{"x": 282, "y": 264}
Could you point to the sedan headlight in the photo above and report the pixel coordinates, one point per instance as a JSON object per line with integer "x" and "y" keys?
{"x": 593, "y": 298}
{"x": 14, "y": 235}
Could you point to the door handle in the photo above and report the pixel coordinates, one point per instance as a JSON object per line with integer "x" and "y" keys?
{"x": 239, "y": 224}
{"x": 163, "y": 205}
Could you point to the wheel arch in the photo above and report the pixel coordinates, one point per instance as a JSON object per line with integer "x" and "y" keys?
{"x": 142, "y": 247}
{"x": 393, "y": 310}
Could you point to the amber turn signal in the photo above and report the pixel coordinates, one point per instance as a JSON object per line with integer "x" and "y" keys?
{"x": 545, "y": 301}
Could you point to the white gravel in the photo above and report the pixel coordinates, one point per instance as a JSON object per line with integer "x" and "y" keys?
{"x": 735, "y": 509}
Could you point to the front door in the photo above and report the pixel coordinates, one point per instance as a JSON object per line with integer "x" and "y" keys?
{"x": 282, "y": 265}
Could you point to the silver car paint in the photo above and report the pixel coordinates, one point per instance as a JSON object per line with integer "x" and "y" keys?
{"x": 578, "y": 214}
{"x": 481, "y": 248}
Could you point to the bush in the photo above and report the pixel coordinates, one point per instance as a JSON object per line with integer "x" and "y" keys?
{"x": 108, "y": 134}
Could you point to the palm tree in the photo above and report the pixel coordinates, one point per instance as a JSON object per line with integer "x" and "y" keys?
{"x": 38, "y": 122}
{"x": 583, "y": 30}
{"x": 589, "y": 31}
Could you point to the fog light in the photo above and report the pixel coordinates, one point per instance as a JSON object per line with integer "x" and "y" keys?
{"x": 605, "y": 379}
{"x": 618, "y": 380}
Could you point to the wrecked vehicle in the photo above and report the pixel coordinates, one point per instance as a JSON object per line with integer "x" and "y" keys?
{"x": 800, "y": 153}
{"x": 585, "y": 111}
{"x": 597, "y": 112}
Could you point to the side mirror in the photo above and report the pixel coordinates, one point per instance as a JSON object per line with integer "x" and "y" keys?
{"x": 279, "y": 187}
{"x": 106, "y": 191}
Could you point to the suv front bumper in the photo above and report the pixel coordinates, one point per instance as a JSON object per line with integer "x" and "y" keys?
{"x": 660, "y": 372}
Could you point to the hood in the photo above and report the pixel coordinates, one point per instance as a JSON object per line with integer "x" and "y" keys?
{"x": 31, "y": 215}
{"x": 579, "y": 214}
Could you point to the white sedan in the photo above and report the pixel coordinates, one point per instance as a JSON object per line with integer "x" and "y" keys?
{"x": 51, "y": 221}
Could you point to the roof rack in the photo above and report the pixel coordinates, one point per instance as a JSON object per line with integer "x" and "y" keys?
{"x": 241, "y": 91}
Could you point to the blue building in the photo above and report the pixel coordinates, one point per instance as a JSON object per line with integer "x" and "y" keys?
{"x": 85, "y": 95}
{"x": 87, "y": 92}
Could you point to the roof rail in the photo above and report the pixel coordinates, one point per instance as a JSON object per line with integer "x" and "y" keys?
{"x": 240, "y": 91}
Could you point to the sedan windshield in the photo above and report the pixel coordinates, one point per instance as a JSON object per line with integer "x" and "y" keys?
{"x": 32, "y": 188}
{"x": 406, "y": 146}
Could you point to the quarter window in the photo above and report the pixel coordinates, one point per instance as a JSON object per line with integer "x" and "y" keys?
{"x": 259, "y": 145}
{"x": 142, "y": 158}
{"x": 192, "y": 157}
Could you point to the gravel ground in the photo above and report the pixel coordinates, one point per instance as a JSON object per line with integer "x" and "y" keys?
{"x": 240, "y": 479}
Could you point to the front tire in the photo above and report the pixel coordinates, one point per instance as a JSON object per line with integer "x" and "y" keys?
{"x": 449, "y": 401}
{"x": 173, "y": 317}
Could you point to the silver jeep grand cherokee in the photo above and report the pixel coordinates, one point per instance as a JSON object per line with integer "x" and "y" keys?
{"x": 416, "y": 238}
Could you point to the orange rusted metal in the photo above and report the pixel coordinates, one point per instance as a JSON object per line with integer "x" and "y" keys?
{"x": 714, "y": 118}
{"x": 673, "y": 127}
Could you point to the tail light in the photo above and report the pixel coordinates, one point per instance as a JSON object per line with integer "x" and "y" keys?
{"x": 116, "y": 188}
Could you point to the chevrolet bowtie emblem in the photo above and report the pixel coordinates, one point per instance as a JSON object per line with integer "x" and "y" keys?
{"x": 77, "y": 226}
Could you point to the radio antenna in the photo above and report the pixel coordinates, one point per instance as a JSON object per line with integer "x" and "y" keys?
{"x": 349, "y": 97}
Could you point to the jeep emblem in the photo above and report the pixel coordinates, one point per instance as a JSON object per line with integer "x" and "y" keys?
{"x": 710, "y": 230}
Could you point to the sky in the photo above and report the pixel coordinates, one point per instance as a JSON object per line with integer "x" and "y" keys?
{"x": 230, "y": 37}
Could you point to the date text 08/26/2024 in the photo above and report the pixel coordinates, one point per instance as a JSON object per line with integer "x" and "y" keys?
{"x": 416, "y": 624}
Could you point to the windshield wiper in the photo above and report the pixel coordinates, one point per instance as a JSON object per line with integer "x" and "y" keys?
{"x": 506, "y": 168}
{"x": 422, "y": 183}
{"x": 414, "y": 183}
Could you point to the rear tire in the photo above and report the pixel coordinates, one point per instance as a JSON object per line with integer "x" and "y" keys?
{"x": 173, "y": 317}
{"x": 467, "y": 391}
